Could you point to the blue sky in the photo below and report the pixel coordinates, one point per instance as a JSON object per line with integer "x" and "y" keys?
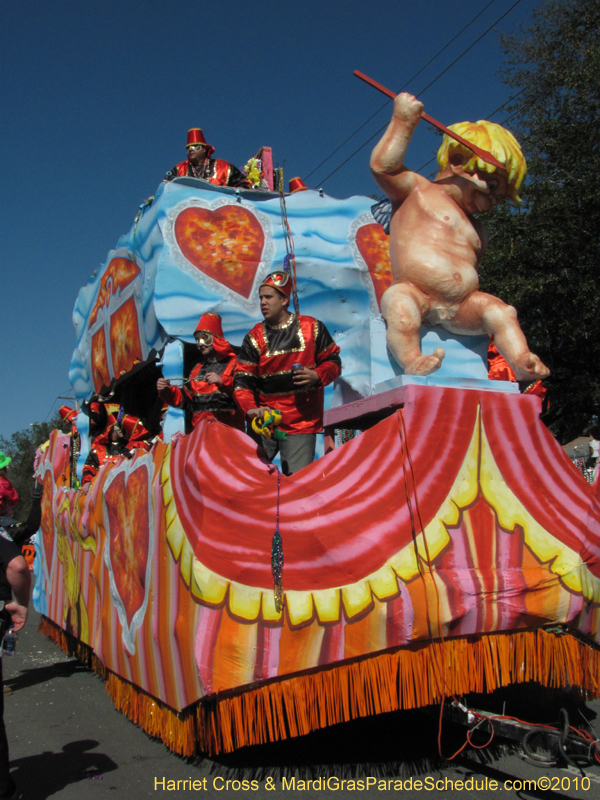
{"x": 97, "y": 98}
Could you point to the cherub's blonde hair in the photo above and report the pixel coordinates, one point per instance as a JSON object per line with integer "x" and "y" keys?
{"x": 496, "y": 140}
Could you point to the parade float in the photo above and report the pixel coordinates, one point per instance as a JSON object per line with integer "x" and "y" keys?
{"x": 441, "y": 544}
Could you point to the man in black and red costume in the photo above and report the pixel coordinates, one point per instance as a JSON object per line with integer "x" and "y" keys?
{"x": 199, "y": 164}
{"x": 120, "y": 439}
{"x": 284, "y": 363}
{"x": 208, "y": 392}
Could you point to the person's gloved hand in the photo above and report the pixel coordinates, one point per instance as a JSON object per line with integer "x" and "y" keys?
{"x": 37, "y": 490}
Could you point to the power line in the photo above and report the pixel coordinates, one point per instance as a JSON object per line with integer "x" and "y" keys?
{"x": 493, "y": 25}
{"x": 510, "y": 99}
{"x": 514, "y": 114}
{"x": 431, "y": 60}
{"x": 58, "y": 397}
{"x": 354, "y": 153}
{"x": 379, "y": 110}
{"x": 426, "y": 164}
{"x": 423, "y": 90}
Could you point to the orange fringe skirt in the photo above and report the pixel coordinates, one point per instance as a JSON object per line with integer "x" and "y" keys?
{"x": 409, "y": 677}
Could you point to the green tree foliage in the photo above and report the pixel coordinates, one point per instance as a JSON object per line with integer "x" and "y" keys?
{"x": 21, "y": 448}
{"x": 545, "y": 256}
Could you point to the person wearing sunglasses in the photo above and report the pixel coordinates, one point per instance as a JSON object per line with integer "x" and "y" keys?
{"x": 199, "y": 164}
{"x": 208, "y": 392}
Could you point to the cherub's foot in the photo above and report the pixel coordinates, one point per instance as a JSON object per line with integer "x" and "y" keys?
{"x": 425, "y": 365}
{"x": 528, "y": 367}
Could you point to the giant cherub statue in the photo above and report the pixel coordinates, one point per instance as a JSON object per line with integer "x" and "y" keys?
{"x": 436, "y": 242}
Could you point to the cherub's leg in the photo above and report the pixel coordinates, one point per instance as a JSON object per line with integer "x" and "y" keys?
{"x": 484, "y": 313}
{"x": 403, "y": 307}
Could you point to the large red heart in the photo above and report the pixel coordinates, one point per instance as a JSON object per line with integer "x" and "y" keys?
{"x": 226, "y": 244}
{"x": 129, "y": 537}
{"x": 374, "y": 246}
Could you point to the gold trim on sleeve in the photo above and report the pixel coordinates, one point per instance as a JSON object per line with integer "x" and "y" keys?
{"x": 254, "y": 343}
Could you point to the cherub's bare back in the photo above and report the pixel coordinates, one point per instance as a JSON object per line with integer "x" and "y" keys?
{"x": 435, "y": 245}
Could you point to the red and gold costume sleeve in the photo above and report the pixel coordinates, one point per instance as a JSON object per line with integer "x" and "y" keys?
{"x": 225, "y": 174}
{"x": 327, "y": 357}
{"x": 245, "y": 383}
{"x": 179, "y": 171}
{"x": 227, "y": 377}
{"x": 172, "y": 395}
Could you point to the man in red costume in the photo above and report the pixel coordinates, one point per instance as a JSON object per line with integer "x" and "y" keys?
{"x": 208, "y": 392}
{"x": 284, "y": 364}
{"x": 121, "y": 438}
{"x": 199, "y": 164}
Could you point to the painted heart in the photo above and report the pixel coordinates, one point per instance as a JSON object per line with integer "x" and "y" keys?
{"x": 119, "y": 274}
{"x": 374, "y": 246}
{"x": 125, "y": 344}
{"x": 226, "y": 244}
{"x": 129, "y": 537}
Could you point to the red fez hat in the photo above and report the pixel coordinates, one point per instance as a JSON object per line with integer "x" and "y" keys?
{"x": 195, "y": 136}
{"x": 112, "y": 412}
{"x": 281, "y": 281}
{"x": 128, "y": 424}
{"x": 297, "y": 185}
{"x": 67, "y": 413}
{"x": 211, "y": 323}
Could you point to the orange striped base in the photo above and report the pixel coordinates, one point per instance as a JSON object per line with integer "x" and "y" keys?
{"x": 410, "y": 677}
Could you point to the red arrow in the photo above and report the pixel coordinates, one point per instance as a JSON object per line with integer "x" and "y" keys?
{"x": 483, "y": 154}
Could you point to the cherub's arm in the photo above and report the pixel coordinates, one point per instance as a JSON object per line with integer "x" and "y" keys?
{"x": 387, "y": 158}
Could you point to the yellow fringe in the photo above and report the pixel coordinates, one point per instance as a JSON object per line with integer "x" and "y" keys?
{"x": 410, "y": 677}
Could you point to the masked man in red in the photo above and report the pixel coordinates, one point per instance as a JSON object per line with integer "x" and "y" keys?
{"x": 284, "y": 364}
{"x": 199, "y": 164}
{"x": 121, "y": 438}
{"x": 208, "y": 392}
